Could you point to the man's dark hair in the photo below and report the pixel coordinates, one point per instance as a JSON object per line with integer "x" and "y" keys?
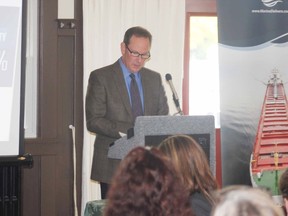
{"x": 138, "y": 32}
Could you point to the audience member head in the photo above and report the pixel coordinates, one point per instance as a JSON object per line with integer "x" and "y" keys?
{"x": 145, "y": 185}
{"x": 243, "y": 201}
{"x": 191, "y": 164}
{"x": 283, "y": 186}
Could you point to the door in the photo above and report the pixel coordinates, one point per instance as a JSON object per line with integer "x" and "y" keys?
{"x": 48, "y": 187}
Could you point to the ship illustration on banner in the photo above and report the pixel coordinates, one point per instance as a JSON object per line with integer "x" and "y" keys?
{"x": 269, "y": 158}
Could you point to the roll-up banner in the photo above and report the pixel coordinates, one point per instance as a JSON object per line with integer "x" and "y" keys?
{"x": 253, "y": 44}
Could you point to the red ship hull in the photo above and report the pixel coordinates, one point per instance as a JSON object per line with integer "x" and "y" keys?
{"x": 270, "y": 154}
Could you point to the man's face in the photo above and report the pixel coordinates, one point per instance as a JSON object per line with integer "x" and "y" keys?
{"x": 139, "y": 45}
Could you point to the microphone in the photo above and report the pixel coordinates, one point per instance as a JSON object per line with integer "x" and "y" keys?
{"x": 175, "y": 96}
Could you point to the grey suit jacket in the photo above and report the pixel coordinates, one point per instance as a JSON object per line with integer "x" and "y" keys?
{"x": 108, "y": 111}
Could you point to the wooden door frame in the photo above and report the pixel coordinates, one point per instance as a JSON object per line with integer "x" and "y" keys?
{"x": 199, "y": 8}
{"x": 48, "y": 186}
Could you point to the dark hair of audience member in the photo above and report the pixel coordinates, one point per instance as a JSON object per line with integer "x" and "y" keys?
{"x": 145, "y": 185}
{"x": 283, "y": 187}
{"x": 191, "y": 163}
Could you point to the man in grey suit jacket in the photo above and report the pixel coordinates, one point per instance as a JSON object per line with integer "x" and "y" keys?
{"x": 108, "y": 100}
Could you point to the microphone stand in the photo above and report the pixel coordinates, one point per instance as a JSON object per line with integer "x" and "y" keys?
{"x": 175, "y": 96}
{"x": 176, "y": 102}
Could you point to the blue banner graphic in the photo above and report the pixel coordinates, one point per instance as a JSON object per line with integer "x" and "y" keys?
{"x": 248, "y": 23}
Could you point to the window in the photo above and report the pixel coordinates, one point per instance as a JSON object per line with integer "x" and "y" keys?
{"x": 203, "y": 68}
{"x": 30, "y": 123}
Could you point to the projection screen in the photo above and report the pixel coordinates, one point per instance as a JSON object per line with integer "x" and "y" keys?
{"x": 11, "y": 77}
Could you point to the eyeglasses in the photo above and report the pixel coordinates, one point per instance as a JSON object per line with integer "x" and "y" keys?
{"x": 137, "y": 54}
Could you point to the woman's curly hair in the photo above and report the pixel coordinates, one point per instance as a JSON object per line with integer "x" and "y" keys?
{"x": 145, "y": 184}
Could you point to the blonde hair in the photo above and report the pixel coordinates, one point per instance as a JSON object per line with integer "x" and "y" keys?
{"x": 245, "y": 201}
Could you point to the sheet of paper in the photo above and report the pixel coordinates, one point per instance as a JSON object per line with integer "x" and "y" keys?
{"x": 122, "y": 134}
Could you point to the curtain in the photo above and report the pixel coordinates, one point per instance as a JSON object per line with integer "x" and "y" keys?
{"x": 104, "y": 25}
